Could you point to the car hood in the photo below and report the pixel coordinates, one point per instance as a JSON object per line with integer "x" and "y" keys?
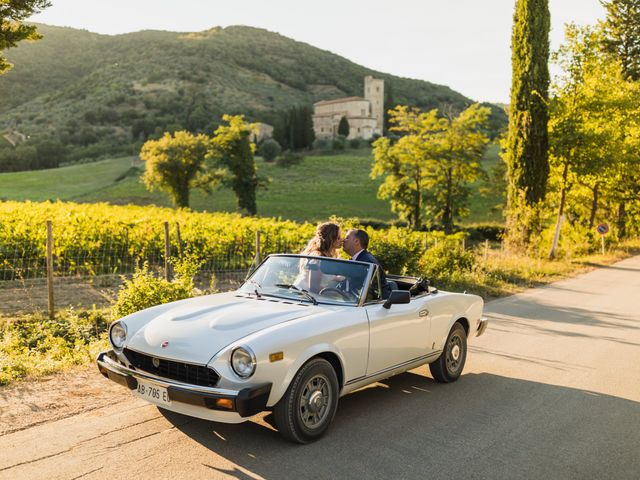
{"x": 195, "y": 330}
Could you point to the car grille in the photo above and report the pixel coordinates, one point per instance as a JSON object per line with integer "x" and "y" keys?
{"x": 182, "y": 372}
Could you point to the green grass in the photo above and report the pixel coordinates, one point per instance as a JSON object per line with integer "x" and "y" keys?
{"x": 321, "y": 186}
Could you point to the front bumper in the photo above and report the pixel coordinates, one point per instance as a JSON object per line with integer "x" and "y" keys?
{"x": 482, "y": 326}
{"x": 245, "y": 402}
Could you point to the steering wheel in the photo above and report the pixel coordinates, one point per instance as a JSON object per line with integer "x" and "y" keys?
{"x": 346, "y": 295}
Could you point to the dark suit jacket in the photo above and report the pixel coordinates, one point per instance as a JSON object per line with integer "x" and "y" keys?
{"x": 365, "y": 256}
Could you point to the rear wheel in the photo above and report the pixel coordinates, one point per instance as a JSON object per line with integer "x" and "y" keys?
{"x": 448, "y": 367}
{"x": 305, "y": 411}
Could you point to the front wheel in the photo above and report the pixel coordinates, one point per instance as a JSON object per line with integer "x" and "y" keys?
{"x": 305, "y": 411}
{"x": 448, "y": 367}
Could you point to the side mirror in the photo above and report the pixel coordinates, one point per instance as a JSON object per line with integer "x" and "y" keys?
{"x": 397, "y": 296}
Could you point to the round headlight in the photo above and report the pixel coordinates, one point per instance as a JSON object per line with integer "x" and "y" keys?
{"x": 118, "y": 335}
{"x": 243, "y": 362}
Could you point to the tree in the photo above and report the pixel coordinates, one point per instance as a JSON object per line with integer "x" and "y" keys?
{"x": 434, "y": 159}
{"x": 343, "y": 127}
{"x": 622, "y": 34}
{"x": 175, "y": 164}
{"x": 232, "y": 150}
{"x": 12, "y": 28}
{"x": 527, "y": 142}
{"x": 294, "y": 128}
{"x": 270, "y": 149}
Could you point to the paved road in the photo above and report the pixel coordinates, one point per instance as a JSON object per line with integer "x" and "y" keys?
{"x": 551, "y": 391}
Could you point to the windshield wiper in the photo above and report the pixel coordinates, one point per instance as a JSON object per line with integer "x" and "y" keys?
{"x": 255, "y": 290}
{"x": 301, "y": 290}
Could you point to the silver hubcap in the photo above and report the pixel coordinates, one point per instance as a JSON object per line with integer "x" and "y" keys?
{"x": 315, "y": 401}
{"x": 454, "y": 354}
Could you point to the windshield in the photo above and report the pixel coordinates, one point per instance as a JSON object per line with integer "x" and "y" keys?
{"x": 309, "y": 279}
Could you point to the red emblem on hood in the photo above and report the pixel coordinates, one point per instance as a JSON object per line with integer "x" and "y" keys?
{"x": 164, "y": 344}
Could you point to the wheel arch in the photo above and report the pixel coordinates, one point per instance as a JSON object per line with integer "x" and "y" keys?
{"x": 326, "y": 351}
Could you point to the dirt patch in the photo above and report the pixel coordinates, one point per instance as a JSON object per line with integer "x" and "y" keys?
{"x": 21, "y": 298}
{"x": 80, "y": 389}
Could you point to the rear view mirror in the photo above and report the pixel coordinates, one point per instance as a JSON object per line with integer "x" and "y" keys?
{"x": 397, "y": 296}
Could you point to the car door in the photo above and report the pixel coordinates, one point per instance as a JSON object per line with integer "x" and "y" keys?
{"x": 396, "y": 335}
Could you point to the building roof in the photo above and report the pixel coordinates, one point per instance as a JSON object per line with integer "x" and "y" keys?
{"x": 341, "y": 100}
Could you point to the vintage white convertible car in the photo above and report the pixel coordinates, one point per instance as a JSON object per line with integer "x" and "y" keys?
{"x": 273, "y": 344}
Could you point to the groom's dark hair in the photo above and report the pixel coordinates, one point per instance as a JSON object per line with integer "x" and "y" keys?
{"x": 362, "y": 236}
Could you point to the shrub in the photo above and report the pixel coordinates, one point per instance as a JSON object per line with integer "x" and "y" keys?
{"x": 289, "y": 158}
{"x": 354, "y": 143}
{"x": 146, "y": 290}
{"x": 339, "y": 143}
{"x": 36, "y": 344}
{"x": 269, "y": 150}
{"x": 321, "y": 144}
{"x": 445, "y": 260}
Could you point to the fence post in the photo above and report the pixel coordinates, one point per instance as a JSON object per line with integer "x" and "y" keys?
{"x": 257, "y": 258}
{"x": 180, "y": 247}
{"x": 463, "y": 244}
{"x": 486, "y": 249}
{"x": 50, "y": 268}
{"x": 167, "y": 251}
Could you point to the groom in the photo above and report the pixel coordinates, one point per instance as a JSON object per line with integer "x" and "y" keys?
{"x": 355, "y": 244}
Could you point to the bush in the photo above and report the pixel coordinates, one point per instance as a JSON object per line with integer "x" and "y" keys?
{"x": 445, "y": 260}
{"x": 269, "y": 150}
{"x": 354, "y": 143}
{"x": 321, "y": 144}
{"x": 339, "y": 143}
{"x": 289, "y": 158}
{"x": 146, "y": 290}
{"x": 38, "y": 345}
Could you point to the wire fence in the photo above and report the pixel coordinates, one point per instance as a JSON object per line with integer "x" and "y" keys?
{"x": 24, "y": 263}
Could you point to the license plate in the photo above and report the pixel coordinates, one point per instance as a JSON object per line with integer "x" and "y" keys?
{"x": 153, "y": 393}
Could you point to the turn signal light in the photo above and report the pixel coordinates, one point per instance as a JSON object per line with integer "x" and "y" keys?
{"x": 224, "y": 403}
{"x": 274, "y": 357}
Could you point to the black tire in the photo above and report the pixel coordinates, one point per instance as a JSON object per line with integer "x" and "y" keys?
{"x": 449, "y": 365}
{"x": 298, "y": 420}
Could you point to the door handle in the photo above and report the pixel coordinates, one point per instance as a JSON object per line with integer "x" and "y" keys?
{"x": 423, "y": 313}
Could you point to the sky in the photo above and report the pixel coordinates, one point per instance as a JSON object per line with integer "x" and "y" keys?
{"x": 464, "y": 44}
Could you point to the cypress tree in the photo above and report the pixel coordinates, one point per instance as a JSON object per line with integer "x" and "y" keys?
{"x": 343, "y": 127}
{"x": 527, "y": 143}
{"x": 622, "y": 34}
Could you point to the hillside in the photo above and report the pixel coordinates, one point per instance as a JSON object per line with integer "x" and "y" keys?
{"x": 83, "y": 95}
{"x": 319, "y": 187}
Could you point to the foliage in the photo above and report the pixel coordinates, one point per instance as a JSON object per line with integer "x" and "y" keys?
{"x": 269, "y": 150}
{"x": 321, "y": 144}
{"x": 622, "y": 34}
{"x": 146, "y": 289}
{"x": 339, "y": 143}
{"x": 343, "y": 127}
{"x": 175, "y": 164}
{"x": 445, "y": 259}
{"x": 289, "y": 158}
{"x": 593, "y": 138}
{"x": 232, "y": 150}
{"x": 354, "y": 143}
{"x": 527, "y": 143}
{"x": 37, "y": 344}
{"x": 12, "y": 28}
{"x": 427, "y": 171}
{"x": 100, "y": 97}
{"x": 294, "y": 128}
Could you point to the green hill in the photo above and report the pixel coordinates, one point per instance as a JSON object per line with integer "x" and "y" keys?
{"x": 317, "y": 188}
{"x": 80, "y": 95}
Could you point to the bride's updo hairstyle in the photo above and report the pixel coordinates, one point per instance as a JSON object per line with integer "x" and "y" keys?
{"x": 322, "y": 243}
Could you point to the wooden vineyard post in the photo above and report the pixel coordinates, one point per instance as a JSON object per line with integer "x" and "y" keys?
{"x": 257, "y": 259}
{"x": 486, "y": 249}
{"x": 179, "y": 237}
{"x": 167, "y": 251}
{"x": 50, "y": 268}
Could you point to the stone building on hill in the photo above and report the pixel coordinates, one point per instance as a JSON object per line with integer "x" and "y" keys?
{"x": 365, "y": 115}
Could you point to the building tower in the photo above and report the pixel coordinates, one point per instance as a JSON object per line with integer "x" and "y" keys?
{"x": 374, "y": 92}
